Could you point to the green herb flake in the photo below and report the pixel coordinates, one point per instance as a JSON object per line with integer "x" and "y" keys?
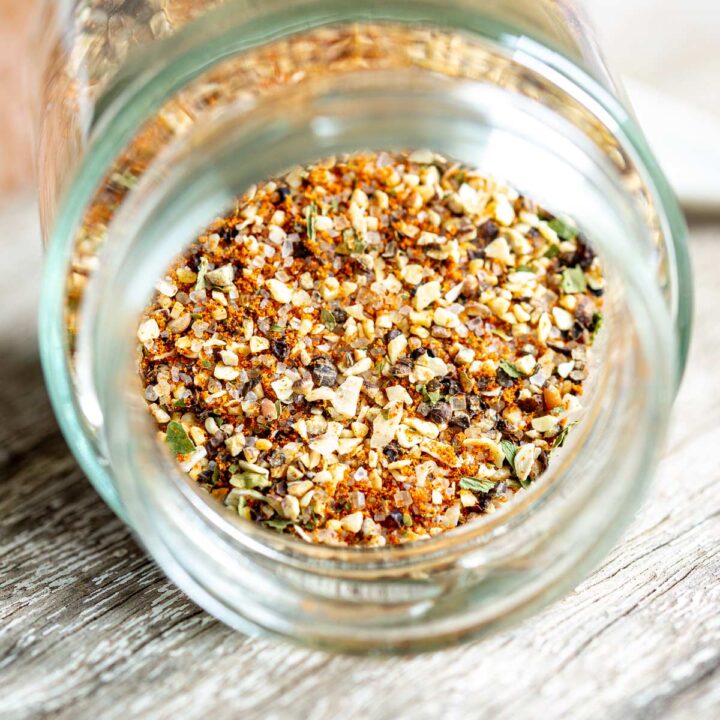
{"x": 476, "y": 484}
{"x": 328, "y": 319}
{"x": 311, "y": 217}
{"x": 552, "y": 251}
{"x": 277, "y": 328}
{"x": 359, "y": 245}
{"x": 215, "y": 475}
{"x": 431, "y": 398}
{"x": 177, "y": 439}
{"x": 250, "y": 480}
{"x": 562, "y": 435}
{"x": 524, "y": 268}
{"x": 380, "y": 366}
{"x": 206, "y": 363}
{"x": 202, "y": 270}
{"x": 277, "y": 524}
{"x": 179, "y": 403}
{"x": 573, "y": 280}
{"x": 597, "y": 323}
{"x": 126, "y": 180}
{"x": 509, "y": 451}
{"x": 563, "y": 230}
{"x": 510, "y": 369}
{"x": 278, "y": 408}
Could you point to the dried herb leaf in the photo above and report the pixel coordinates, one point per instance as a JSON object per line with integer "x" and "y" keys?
{"x": 311, "y": 217}
{"x": 563, "y": 230}
{"x": 431, "y": 398}
{"x": 359, "y": 245}
{"x": 509, "y": 451}
{"x": 597, "y": 320}
{"x": 562, "y": 436}
{"x": 126, "y": 180}
{"x": 510, "y": 369}
{"x": 573, "y": 280}
{"x": 177, "y": 439}
{"x": 277, "y": 523}
{"x": 552, "y": 251}
{"x": 476, "y": 484}
{"x": 277, "y": 328}
{"x": 249, "y": 480}
{"x": 328, "y": 319}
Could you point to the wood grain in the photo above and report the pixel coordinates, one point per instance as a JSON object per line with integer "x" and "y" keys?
{"x": 90, "y": 628}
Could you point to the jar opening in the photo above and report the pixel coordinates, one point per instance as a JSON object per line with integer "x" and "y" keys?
{"x": 506, "y": 112}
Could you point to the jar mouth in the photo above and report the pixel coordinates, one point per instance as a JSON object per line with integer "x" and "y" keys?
{"x": 185, "y": 180}
{"x": 202, "y": 176}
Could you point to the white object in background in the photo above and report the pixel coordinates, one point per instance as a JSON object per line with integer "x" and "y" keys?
{"x": 686, "y": 142}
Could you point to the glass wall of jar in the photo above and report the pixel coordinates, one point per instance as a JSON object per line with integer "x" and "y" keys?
{"x": 163, "y": 112}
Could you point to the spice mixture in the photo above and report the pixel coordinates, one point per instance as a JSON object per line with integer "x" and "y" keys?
{"x": 373, "y": 349}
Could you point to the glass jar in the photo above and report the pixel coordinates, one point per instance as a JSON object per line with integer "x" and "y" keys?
{"x": 161, "y": 113}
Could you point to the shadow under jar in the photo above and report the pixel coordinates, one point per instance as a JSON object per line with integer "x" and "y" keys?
{"x": 163, "y": 113}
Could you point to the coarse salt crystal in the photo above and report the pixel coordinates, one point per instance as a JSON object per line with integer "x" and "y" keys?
{"x": 353, "y": 522}
{"x": 279, "y": 291}
{"x": 148, "y": 331}
{"x": 427, "y": 294}
{"x": 347, "y": 395}
{"x": 223, "y": 372}
{"x": 545, "y": 423}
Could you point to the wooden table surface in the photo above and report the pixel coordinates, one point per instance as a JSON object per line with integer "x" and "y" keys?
{"x": 90, "y": 628}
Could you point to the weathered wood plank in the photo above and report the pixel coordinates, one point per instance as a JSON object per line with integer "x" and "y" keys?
{"x": 90, "y": 628}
